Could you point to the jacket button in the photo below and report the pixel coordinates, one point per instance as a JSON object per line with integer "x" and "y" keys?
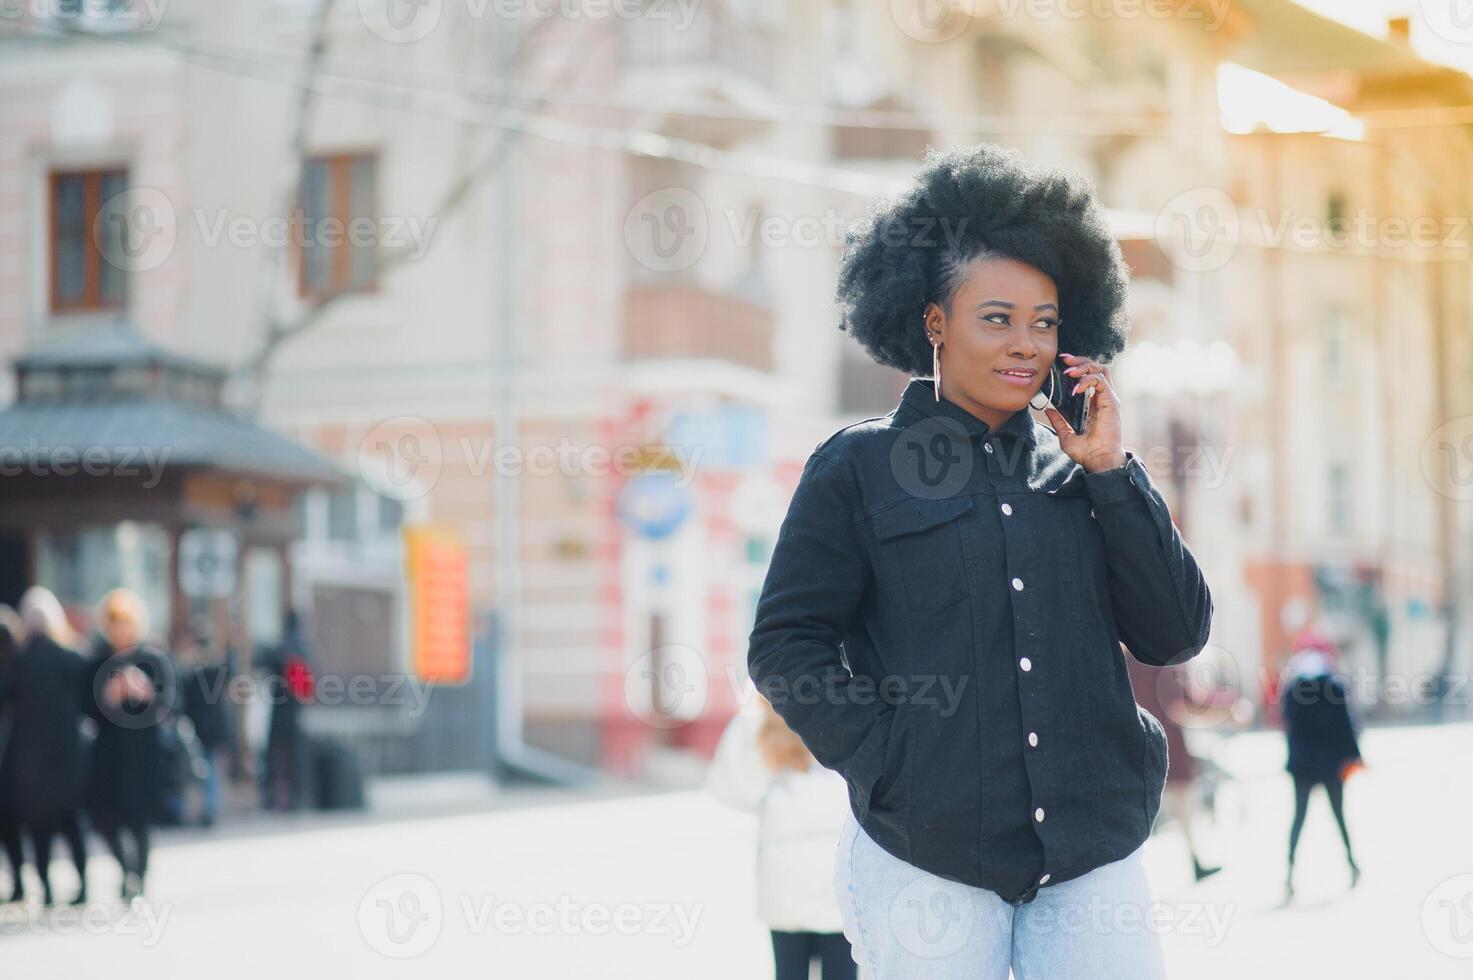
{"x": 987, "y": 447}
{"x": 1038, "y": 814}
{"x": 1018, "y": 584}
{"x": 1026, "y": 664}
{"x": 1007, "y": 508}
{"x": 1044, "y": 880}
{"x": 1092, "y": 513}
{"x": 1032, "y": 738}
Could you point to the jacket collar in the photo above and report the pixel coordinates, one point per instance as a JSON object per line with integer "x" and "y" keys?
{"x": 919, "y": 399}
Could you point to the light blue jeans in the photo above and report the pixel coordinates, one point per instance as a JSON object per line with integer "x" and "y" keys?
{"x": 906, "y": 923}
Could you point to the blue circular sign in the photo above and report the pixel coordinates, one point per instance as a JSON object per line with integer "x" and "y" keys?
{"x": 654, "y": 505}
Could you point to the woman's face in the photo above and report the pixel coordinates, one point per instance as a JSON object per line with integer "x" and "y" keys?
{"x": 1003, "y": 318}
{"x": 121, "y": 631}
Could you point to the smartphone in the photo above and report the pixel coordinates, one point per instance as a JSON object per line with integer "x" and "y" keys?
{"x": 1074, "y": 408}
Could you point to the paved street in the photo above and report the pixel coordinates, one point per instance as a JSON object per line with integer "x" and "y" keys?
{"x": 659, "y": 886}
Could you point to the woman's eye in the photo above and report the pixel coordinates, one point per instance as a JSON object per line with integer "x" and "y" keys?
{"x": 1047, "y": 323}
{"x": 1001, "y": 318}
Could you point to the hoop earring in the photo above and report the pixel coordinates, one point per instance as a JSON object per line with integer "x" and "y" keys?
{"x": 936, "y": 368}
{"x": 1039, "y": 393}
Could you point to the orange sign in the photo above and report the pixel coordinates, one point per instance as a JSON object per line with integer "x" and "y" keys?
{"x": 438, "y": 575}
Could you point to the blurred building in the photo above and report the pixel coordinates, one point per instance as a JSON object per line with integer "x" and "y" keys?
{"x": 582, "y": 339}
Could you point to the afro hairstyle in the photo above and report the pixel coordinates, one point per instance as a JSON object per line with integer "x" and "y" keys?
{"x": 972, "y": 202}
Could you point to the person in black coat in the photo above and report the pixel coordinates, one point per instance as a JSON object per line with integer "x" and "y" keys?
{"x": 45, "y": 689}
{"x": 1322, "y": 743}
{"x": 133, "y": 687}
{"x": 11, "y": 635}
{"x": 203, "y": 686}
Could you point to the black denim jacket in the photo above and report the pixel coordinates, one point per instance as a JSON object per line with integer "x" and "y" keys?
{"x": 942, "y": 623}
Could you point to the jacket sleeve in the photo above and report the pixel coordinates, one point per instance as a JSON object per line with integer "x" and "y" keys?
{"x": 1162, "y": 605}
{"x": 818, "y": 574}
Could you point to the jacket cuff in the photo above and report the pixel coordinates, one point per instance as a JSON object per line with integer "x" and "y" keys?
{"x": 1112, "y": 486}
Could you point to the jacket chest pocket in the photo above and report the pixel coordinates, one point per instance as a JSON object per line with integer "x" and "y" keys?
{"x": 923, "y": 539}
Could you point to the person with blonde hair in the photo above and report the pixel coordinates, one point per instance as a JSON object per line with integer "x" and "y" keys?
{"x": 45, "y": 694}
{"x": 133, "y": 687}
{"x": 762, "y": 766}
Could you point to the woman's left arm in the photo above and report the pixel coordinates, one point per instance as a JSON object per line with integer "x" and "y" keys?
{"x": 1162, "y": 605}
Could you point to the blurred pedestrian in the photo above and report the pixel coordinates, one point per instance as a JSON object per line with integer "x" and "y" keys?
{"x": 763, "y": 767}
{"x": 1323, "y": 748}
{"x": 46, "y": 691}
{"x": 204, "y": 682}
{"x": 133, "y": 685}
{"x": 11, "y": 636}
{"x": 291, "y": 685}
{"x": 1160, "y": 691}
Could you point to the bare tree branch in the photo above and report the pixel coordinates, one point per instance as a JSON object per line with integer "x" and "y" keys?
{"x": 281, "y": 331}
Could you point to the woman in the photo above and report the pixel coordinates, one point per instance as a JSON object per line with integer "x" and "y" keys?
{"x": 1162, "y": 693}
{"x": 11, "y": 636}
{"x": 942, "y": 617}
{"x": 132, "y": 692}
{"x": 1321, "y": 736}
{"x": 46, "y": 691}
{"x": 762, "y": 766}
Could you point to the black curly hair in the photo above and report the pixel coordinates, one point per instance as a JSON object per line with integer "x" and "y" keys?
{"x": 967, "y": 203}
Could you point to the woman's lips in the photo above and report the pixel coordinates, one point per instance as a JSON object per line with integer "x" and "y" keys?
{"x": 1023, "y": 380}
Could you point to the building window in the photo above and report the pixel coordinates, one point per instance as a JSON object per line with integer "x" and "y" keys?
{"x": 1335, "y": 214}
{"x": 1340, "y": 503}
{"x": 1335, "y": 346}
{"x": 87, "y": 246}
{"x": 339, "y": 224}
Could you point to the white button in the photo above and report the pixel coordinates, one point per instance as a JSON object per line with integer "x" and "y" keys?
{"x": 1092, "y": 513}
{"x": 1007, "y": 508}
{"x": 987, "y": 446}
{"x": 1032, "y": 738}
{"x": 1038, "y": 814}
{"x": 1026, "y": 664}
{"x": 1018, "y": 584}
{"x": 1044, "y": 879}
